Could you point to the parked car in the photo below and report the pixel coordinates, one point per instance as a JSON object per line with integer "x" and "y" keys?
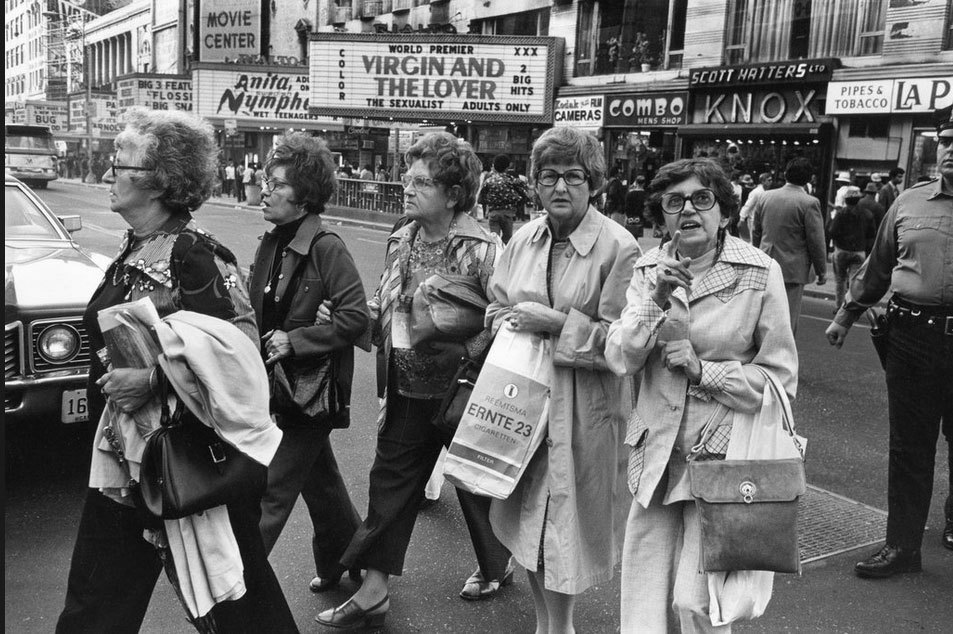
{"x": 48, "y": 280}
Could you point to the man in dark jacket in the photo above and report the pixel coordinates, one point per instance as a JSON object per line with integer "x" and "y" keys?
{"x": 869, "y": 204}
{"x": 852, "y": 231}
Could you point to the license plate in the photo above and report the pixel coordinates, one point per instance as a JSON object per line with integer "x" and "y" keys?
{"x": 74, "y": 407}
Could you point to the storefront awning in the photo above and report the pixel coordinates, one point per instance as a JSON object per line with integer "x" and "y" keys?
{"x": 753, "y": 129}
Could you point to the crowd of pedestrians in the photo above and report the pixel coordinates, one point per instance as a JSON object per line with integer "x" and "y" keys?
{"x": 648, "y": 350}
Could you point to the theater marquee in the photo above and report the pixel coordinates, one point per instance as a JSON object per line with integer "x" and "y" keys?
{"x": 434, "y": 76}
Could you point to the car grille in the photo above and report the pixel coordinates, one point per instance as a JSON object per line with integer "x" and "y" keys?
{"x": 11, "y": 352}
{"x": 79, "y": 361}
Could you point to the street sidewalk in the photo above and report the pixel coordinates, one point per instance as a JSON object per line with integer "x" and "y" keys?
{"x": 384, "y": 222}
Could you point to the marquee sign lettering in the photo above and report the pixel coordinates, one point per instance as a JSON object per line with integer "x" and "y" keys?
{"x": 426, "y": 76}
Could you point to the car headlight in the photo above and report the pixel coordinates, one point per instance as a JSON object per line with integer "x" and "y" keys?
{"x": 58, "y": 343}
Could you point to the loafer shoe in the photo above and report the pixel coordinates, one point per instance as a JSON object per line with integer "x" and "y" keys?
{"x": 351, "y": 616}
{"x": 321, "y": 584}
{"x": 477, "y": 588}
{"x": 889, "y": 561}
{"x": 947, "y": 539}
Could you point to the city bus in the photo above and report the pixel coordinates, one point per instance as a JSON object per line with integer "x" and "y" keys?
{"x": 30, "y": 154}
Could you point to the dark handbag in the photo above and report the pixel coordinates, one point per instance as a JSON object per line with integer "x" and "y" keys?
{"x": 186, "y": 468}
{"x": 878, "y": 334}
{"x": 447, "y": 307}
{"x": 311, "y": 394}
{"x": 748, "y": 513}
{"x": 455, "y": 401}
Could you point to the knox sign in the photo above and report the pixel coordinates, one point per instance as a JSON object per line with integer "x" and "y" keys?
{"x": 434, "y": 76}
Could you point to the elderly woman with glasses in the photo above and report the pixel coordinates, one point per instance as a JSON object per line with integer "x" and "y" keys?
{"x": 564, "y": 276}
{"x": 440, "y": 188}
{"x": 704, "y": 312}
{"x": 164, "y": 169}
{"x": 298, "y": 268}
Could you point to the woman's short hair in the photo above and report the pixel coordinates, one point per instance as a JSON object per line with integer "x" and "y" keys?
{"x": 309, "y": 169}
{"x": 180, "y": 150}
{"x": 710, "y": 175}
{"x": 452, "y": 163}
{"x": 565, "y": 145}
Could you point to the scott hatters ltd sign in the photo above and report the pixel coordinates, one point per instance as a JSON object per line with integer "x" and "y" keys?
{"x": 228, "y": 28}
{"x": 647, "y": 109}
{"x": 435, "y": 76}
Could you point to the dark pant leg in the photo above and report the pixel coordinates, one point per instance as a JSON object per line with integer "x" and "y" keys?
{"x": 289, "y": 470}
{"x": 263, "y": 607}
{"x": 794, "y": 293}
{"x": 407, "y": 450}
{"x": 492, "y": 556}
{"x": 919, "y": 376}
{"x": 333, "y": 515}
{"x": 112, "y": 573}
{"x": 506, "y": 225}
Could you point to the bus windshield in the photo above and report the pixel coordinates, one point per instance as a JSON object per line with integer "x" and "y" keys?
{"x": 25, "y": 137}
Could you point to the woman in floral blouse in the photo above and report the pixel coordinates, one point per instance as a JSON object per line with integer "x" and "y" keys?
{"x": 164, "y": 169}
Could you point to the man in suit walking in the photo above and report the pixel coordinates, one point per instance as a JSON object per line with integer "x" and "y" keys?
{"x": 789, "y": 227}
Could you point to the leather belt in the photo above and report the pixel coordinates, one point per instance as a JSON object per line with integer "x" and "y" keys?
{"x": 934, "y": 317}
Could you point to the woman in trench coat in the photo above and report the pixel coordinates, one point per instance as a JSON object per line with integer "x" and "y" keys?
{"x": 564, "y": 275}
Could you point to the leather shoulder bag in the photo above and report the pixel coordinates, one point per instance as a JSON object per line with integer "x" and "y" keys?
{"x": 187, "y": 468}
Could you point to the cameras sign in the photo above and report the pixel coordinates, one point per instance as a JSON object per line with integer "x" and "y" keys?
{"x": 228, "y": 28}
{"x": 434, "y": 76}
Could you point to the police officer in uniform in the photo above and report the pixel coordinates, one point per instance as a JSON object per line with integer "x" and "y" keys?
{"x": 913, "y": 256}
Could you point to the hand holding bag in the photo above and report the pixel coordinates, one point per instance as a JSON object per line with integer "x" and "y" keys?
{"x": 312, "y": 394}
{"x": 186, "y": 468}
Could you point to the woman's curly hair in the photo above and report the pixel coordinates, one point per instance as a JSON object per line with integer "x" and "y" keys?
{"x": 708, "y": 172}
{"x": 564, "y": 146}
{"x": 180, "y": 150}
{"x": 452, "y": 163}
{"x": 309, "y": 169}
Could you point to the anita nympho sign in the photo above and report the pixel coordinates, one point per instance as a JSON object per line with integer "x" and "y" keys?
{"x": 434, "y": 76}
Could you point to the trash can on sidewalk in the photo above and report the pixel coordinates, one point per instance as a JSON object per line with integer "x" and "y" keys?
{"x": 252, "y": 194}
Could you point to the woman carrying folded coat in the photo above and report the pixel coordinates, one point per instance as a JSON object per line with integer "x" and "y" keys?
{"x": 563, "y": 276}
{"x": 440, "y": 188}
{"x": 163, "y": 170}
{"x": 703, "y": 311}
{"x": 299, "y": 267}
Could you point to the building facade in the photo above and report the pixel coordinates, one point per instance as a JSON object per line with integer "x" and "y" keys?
{"x": 751, "y": 83}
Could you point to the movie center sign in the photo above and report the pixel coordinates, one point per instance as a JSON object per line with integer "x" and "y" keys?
{"x": 157, "y": 92}
{"x": 646, "y": 109}
{"x": 885, "y": 96}
{"x": 579, "y": 112}
{"x": 435, "y": 76}
{"x": 276, "y": 96}
{"x": 228, "y": 28}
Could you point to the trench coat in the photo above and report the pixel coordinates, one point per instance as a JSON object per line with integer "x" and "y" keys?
{"x": 737, "y": 318}
{"x": 573, "y": 496}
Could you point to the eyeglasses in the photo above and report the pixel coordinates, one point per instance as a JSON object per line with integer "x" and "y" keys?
{"x": 573, "y": 178}
{"x": 702, "y": 200}
{"x": 270, "y": 184}
{"x": 115, "y": 167}
{"x": 419, "y": 182}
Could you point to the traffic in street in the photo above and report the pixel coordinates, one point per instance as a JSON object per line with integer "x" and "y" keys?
{"x": 841, "y": 408}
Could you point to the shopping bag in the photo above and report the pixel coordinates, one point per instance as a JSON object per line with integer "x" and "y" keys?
{"x": 505, "y": 418}
{"x": 744, "y": 594}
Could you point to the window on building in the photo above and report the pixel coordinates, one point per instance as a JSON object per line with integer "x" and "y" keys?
{"x": 676, "y": 42}
{"x": 800, "y": 29}
{"x": 533, "y": 23}
{"x": 874, "y": 127}
{"x": 621, "y": 37}
{"x": 948, "y": 40}
{"x": 870, "y": 40}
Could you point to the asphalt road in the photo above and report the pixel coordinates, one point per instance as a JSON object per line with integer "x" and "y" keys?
{"x": 841, "y": 408}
